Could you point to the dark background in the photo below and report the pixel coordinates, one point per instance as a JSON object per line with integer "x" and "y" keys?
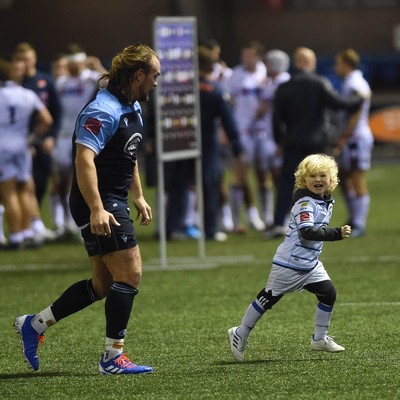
{"x": 104, "y": 27}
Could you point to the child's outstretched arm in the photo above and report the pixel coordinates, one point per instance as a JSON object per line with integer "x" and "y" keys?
{"x": 324, "y": 233}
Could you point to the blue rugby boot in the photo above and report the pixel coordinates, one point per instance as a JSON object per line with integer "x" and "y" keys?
{"x": 122, "y": 365}
{"x": 30, "y": 340}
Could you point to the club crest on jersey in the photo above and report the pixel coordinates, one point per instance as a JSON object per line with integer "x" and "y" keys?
{"x": 132, "y": 144}
{"x": 93, "y": 125}
{"x": 304, "y": 216}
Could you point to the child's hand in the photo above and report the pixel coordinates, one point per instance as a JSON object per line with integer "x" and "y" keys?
{"x": 346, "y": 231}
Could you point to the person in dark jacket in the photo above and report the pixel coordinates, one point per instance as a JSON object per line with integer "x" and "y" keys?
{"x": 214, "y": 107}
{"x": 301, "y": 125}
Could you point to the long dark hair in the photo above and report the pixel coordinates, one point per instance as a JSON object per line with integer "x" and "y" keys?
{"x": 125, "y": 64}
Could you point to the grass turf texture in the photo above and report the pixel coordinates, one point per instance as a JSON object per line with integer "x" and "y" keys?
{"x": 180, "y": 318}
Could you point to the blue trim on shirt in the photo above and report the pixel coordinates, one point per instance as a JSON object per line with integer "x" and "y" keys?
{"x": 293, "y": 267}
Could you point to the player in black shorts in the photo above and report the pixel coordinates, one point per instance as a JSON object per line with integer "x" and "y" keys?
{"x": 107, "y": 134}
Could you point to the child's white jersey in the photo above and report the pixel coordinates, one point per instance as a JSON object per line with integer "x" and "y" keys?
{"x": 17, "y": 105}
{"x": 355, "y": 82}
{"x": 308, "y": 210}
{"x": 245, "y": 87}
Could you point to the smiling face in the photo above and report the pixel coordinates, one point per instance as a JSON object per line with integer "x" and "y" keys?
{"x": 318, "y": 183}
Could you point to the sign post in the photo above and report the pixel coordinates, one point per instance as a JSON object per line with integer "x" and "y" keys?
{"x": 178, "y": 134}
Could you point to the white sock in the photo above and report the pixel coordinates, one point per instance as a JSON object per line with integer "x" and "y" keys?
{"x": 254, "y": 218}
{"x": 236, "y": 196}
{"x": 227, "y": 220}
{"x": 267, "y": 205}
{"x": 323, "y": 317}
{"x": 28, "y": 233}
{"x": 38, "y": 225}
{"x": 114, "y": 347}
{"x": 190, "y": 215}
{"x": 17, "y": 237}
{"x": 57, "y": 211}
{"x": 360, "y": 212}
{"x": 43, "y": 320}
{"x": 250, "y": 318}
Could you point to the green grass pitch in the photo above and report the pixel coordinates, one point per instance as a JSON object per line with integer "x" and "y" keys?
{"x": 181, "y": 315}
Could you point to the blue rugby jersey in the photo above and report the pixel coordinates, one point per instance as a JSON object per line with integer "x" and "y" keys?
{"x": 308, "y": 210}
{"x": 113, "y": 129}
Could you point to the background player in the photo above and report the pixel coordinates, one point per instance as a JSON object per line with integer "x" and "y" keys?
{"x": 17, "y": 106}
{"x": 355, "y": 143}
{"x": 75, "y": 89}
{"x": 244, "y": 86}
{"x": 277, "y": 63}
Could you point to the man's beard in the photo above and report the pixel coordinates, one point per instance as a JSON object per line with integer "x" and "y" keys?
{"x": 143, "y": 97}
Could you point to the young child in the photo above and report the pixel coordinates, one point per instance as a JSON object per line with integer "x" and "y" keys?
{"x": 295, "y": 265}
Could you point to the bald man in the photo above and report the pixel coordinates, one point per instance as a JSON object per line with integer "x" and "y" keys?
{"x": 300, "y": 124}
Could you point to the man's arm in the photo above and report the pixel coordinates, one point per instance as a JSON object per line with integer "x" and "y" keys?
{"x": 86, "y": 175}
{"x": 277, "y": 118}
{"x": 230, "y": 127}
{"x": 43, "y": 121}
{"x": 336, "y": 102}
{"x": 55, "y": 109}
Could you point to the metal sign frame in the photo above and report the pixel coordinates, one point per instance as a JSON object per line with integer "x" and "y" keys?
{"x": 178, "y": 130}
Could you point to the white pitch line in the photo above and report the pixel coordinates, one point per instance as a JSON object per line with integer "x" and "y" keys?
{"x": 193, "y": 263}
{"x": 372, "y": 304}
{"x": 33, "y": 267}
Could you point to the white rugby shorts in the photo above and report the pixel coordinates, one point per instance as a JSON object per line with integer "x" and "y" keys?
{"x": 283, "y": 280}
{"x": 357, "y": 155}
{"x": 15, "y": 164}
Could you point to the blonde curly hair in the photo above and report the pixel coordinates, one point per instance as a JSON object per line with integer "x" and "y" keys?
{"x": 317, "y": 163}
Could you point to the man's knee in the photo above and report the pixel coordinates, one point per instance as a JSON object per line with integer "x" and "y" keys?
{"x": 126, "y": 266}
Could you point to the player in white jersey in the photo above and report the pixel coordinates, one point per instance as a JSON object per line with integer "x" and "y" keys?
{"x": 355, "y": 143}
{"x": 277, "y": 63}
{"x": 244, "y": 86}
{"x": 17, "y": 105}
{"x": 296, "y": 265}
{"x": 221, "y": 72}
{"x": 75, "y": 89}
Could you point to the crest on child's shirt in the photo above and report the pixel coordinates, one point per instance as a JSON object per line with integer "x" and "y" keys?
{"x": 304, "y": 216}
{"x": 304, "y": 205}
